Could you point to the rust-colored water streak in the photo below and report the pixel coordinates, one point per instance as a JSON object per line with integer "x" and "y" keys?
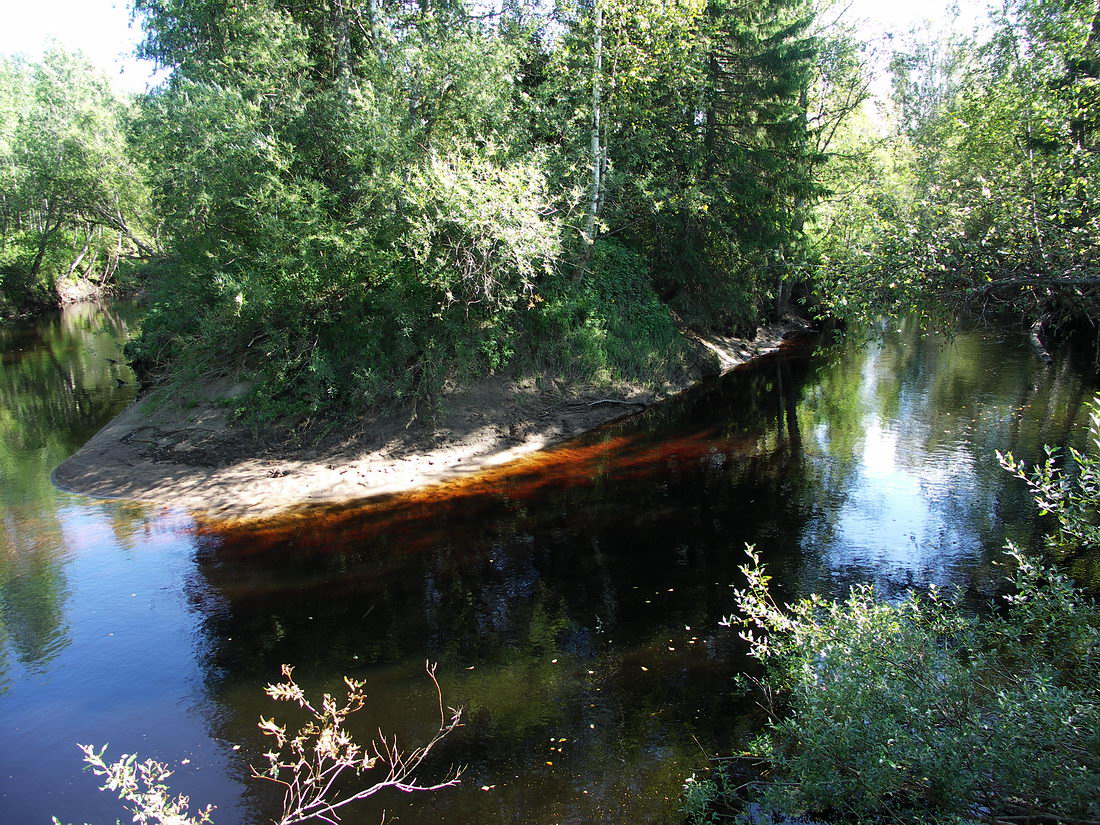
{"x": 572, "y": 464}
{"x": 615, "y": 449}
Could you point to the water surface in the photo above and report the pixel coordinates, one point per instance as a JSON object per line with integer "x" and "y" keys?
{"x": 572, "y": 600}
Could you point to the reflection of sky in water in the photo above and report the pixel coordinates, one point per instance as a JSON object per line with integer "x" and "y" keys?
{"x": 575, "y": 596}
{"x": 893, "y": 524}
{"x": 98, "y": 641}
{"x": 901, "y": 506}
{"x": 127, "y": 670}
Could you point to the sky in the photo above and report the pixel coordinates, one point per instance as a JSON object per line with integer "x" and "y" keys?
{"x": 99, "y": 28}
{"x": 102, "y": 30}
{"x": 900, "y": 15}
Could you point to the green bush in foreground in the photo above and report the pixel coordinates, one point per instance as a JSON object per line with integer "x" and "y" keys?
{"x": 918, "y": 712}
{"x": 1073, "y": 498}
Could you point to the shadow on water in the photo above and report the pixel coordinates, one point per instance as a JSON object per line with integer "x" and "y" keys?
{"x": 572, "y": 599}
{"x": 567, "y": 598}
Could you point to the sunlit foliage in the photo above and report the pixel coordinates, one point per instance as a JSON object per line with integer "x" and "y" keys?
{"x": 366, "y": 201}
{"x": 986, "y": 197}
{"x": 73, "y": 202}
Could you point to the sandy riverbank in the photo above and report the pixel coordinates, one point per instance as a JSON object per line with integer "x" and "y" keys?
{"x": 196, "y": 459}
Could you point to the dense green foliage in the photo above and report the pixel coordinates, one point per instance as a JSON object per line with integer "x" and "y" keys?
{"x": 360, "y": 203}
{"x": 985, "y": 196}
{"x": 365, "y": 201}
{"x": 920, "y": 711}
{"x": 609, "y": 325}
{"x": 72, "y": 200}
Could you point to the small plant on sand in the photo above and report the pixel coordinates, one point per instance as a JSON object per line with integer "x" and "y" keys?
{"x": 312, "y": 764}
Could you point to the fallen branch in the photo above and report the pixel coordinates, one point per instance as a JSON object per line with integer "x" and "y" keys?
{"x": 614, "y": 401}
{"x": 1036, "y": 336}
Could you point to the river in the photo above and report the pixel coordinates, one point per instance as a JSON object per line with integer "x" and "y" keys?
{"x": 572, "y": 600}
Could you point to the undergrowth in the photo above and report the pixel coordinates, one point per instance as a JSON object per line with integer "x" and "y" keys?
{"x": 609, "y": 326}
{"x": 399, "y": 345}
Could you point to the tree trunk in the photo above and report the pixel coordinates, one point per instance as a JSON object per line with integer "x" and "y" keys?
{"x": 44, "y": 241}
{"x": 91, "y": 265}
{"x": 341, "y": 42}
{"x": 80, "y": 257}
{"x": 596, "y": 146}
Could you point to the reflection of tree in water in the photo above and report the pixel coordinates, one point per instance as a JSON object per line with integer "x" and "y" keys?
{"x": 601, "y": 557}
{"x": 602, "y": 569}
{"x": 57, "y": 388}
{"x": 907, "y": 429}
{"x": 32, "y": 595}
{"x": 58, "y": 383}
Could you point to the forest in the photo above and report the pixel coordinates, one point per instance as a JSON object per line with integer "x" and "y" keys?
{"x": 353, "y": 207}
{"x": 356, "y": 204}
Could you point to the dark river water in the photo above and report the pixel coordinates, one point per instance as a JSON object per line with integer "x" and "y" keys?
{"x": 572, "y": 600}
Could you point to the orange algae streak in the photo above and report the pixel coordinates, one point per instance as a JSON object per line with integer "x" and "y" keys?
{"x": 573, "y": 464}
{"x": 603, "y": 452}
{"x": 570, "y": 464}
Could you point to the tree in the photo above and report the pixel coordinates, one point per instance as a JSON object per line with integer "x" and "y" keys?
{"x": 994, "y": 206}
{"x": 367, "y": 200}
{"x": 75, "y": 199}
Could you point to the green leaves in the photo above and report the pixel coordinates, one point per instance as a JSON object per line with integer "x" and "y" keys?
{"x": 998, "y": 150}
{"x": 478, "y": 230}
{"x": 73, "y": 201}
{"x": 919, "y": 711}
{"x": 1067, "y": 487}
{"x": 386, "y": 195}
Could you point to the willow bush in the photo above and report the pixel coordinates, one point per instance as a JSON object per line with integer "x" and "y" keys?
{"x": 921, "y": 711}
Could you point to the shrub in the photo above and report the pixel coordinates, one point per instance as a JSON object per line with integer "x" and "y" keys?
{"x": 918, "y": 711}
{"x": 307, "y": 764}
{"x": 1069, "y": 494}
{"x": 609, "y": 325}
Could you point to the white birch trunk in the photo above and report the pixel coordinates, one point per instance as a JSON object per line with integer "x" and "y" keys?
{"x": 80, "y": 257}
{"x": 597, "y": 149}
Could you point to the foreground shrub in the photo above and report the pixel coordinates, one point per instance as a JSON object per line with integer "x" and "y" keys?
{"x": 311, "y": 765}
{"x": 919, "y": 711}
{"x": 1067, "y": 489}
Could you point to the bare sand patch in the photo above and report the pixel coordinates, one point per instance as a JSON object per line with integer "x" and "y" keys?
{"x": 195, "y": 458}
